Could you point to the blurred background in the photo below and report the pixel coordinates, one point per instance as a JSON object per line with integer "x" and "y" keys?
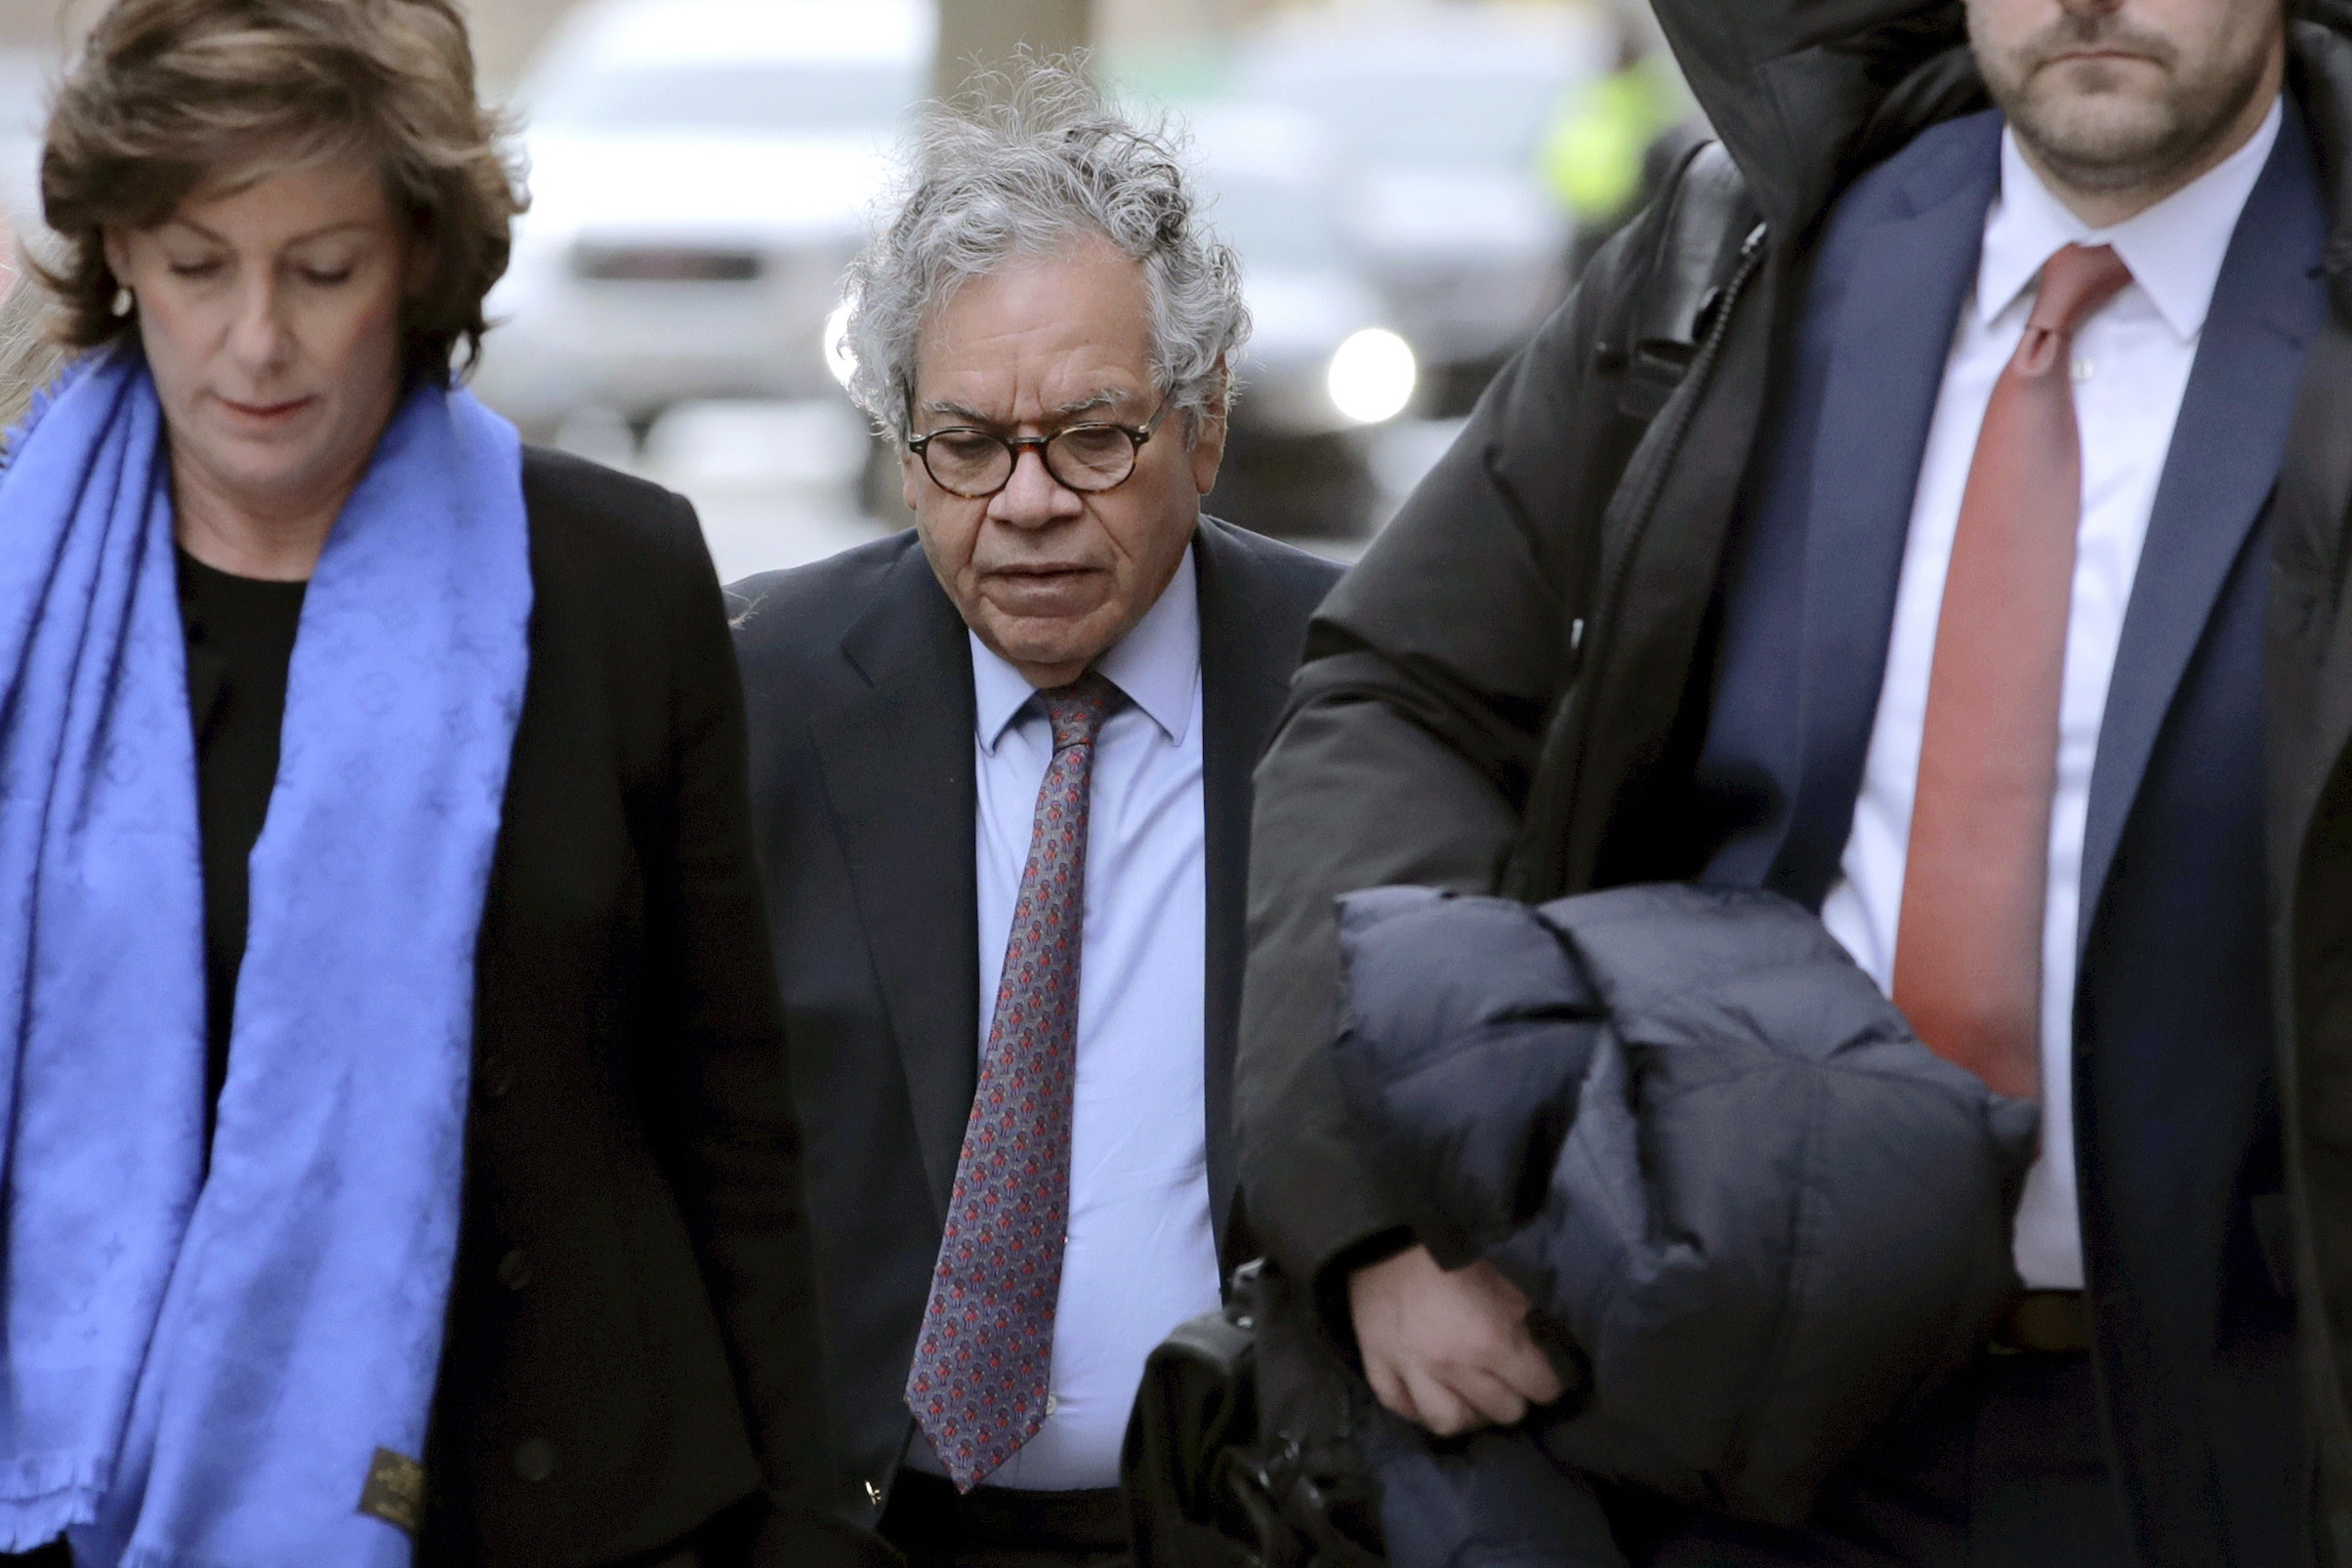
{"x": 1410, "y": 186}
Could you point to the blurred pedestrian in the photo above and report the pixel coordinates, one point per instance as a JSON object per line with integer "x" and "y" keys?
{"x": 1001, "y": 778}
{"x": 397, "y": 1142}
{"x": 1614, "y": 140}
{"x": 1977, "y": 585}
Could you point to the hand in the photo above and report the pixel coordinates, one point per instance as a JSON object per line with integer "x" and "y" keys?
{"x": 1449, "y": 1351}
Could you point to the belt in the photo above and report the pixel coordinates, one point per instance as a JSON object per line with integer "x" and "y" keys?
{"x": 2044, "y": 1323}
{"x": 927, "y": 1516}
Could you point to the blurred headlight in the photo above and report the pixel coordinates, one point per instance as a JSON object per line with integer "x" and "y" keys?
{"x": 837, "y": 358}
{"x": 1371, "y": 376}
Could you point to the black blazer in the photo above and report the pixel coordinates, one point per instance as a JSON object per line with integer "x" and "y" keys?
{"x": 632, "y": 1271}
{"x": 857, "y": 676}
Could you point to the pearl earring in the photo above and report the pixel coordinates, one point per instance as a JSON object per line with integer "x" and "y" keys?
{"x": 123, "y": 302}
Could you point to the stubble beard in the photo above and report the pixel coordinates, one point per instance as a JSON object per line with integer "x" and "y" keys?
{"x": 2095, "y": 134}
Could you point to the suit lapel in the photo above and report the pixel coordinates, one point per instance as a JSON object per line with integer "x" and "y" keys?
{"x": 2268, "y": 305}
{"x": 897, "y": 767}
{"x": 1910, "y": 281}
{"x": 1245, "y": 679}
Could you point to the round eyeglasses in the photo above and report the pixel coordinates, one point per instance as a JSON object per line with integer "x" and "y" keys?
{"x": 1088, "y": 458}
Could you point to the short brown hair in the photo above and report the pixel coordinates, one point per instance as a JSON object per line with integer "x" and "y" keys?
{"x": 172, "y": 94}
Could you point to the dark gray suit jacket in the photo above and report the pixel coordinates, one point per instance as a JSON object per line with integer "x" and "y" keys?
{"x": 858, "y": 678}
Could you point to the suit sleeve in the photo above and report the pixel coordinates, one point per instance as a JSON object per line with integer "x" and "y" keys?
{"x": 736, "y": 1145}
{"x": 1406, "y": 750}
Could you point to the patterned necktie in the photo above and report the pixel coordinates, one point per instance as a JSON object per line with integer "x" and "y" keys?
{"x": 983, "y": 1363}
{"x": 1968, "y": 945}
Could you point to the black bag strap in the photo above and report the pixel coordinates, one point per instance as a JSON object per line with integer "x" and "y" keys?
{"x": 1198, "y": 1401}
{"x": 1662, "y": 317}
{"x": 1240, "y": 1453}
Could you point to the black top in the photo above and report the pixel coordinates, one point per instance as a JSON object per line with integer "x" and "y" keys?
{"x": 240, "y": 638}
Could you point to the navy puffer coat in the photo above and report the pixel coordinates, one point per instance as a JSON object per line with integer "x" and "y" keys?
{"x": 1755, "y": 1213}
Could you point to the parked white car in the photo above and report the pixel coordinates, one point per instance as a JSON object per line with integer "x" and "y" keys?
{"x": 702, "y": 172}
{"x": 1324, "y": 359}
{"x": 1323, "y": 355}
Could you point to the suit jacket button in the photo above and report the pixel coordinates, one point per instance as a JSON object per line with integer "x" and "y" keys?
{"x": 496, "y": 1076}
{"x": 535, "y": 1459}
{"x": 514, "y": 1269}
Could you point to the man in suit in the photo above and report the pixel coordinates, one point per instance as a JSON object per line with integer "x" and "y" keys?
{"x": 1001, "y": 775}
{"x": 1932, "y": 511}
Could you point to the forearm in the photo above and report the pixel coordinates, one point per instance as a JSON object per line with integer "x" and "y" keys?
{"x": 734, "y": 1145}
{"x": 1350, "y": 796}
{"x": 1415, "y": 723}
{"x": 740, "y": 1184}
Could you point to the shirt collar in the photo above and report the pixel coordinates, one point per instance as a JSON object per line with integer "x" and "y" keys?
{"x": 1157, "y": 665}
{"x": 2174, "y": 248}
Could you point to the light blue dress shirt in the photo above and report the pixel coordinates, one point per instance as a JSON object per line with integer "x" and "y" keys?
{"x": 1141, "y": 1255}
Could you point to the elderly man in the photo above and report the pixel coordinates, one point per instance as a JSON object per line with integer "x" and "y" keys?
{"x": 1001, "y": 773}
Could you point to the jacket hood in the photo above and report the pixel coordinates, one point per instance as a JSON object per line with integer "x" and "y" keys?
{"x": 1794, "y": 87}
{"x": 1806, "y": 94}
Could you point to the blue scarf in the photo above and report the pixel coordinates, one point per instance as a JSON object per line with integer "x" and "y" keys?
{"x": 198, "y": 1369}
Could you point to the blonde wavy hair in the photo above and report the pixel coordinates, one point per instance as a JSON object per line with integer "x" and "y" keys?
{"x": 30, "y": 355}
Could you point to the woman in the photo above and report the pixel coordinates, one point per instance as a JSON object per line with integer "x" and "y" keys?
{"x": 400, "y": 1158}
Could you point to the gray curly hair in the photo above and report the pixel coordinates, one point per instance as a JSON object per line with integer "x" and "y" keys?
{"x": 1018, "y": 168}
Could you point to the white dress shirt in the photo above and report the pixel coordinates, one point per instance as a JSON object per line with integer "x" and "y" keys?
{"x": 1141, "y": 1255}
{"x": 2131, "y": 367}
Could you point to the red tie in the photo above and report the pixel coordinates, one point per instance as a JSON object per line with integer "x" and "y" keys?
{"x": 1968, "y": 949}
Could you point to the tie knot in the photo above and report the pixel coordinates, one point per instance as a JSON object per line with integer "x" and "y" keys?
{"x": 2075, "y": 284}
{"x": 1079, "y": 709}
